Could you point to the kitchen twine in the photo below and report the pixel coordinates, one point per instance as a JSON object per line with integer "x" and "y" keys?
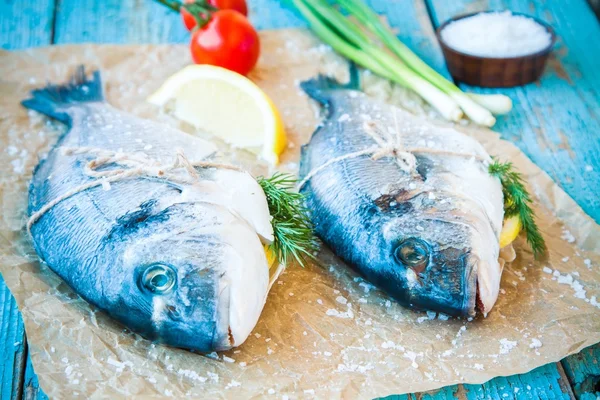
{"x": 134, "y": 165}
{"x": 387, "y": 145}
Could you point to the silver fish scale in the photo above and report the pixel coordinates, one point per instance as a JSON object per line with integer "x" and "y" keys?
{"x": 366, "y": 209}
{"x": 90, "y": 241}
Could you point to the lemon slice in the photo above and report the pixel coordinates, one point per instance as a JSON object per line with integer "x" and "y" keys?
{"x": 226, "y": 105}
{"x": 510, "y": 230}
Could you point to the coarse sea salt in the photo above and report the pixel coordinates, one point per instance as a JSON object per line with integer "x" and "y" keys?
{"x": 496, "y": 34}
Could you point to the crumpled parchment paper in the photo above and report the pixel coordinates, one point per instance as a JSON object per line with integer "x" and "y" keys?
{"x": 324, "y": 331}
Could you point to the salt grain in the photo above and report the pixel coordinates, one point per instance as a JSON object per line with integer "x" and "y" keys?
{"x": 506, "y": 346}
{"x": 568, "y": 236}
{"x": 535, "y": 344}
{"x": 443, "y": 317}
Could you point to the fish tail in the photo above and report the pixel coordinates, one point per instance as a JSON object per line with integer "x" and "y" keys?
{"x": 319, "y": 87}
{"x": 54, "y": 100}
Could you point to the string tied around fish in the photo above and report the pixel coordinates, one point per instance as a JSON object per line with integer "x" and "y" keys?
{"x": 132, "y": 165}
{"x": 292, "y": 229}
{"x": 517, "y": 200}
{"x": 387, "y": 144}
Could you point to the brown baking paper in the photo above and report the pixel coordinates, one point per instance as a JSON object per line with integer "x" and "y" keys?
{"x": 324, "y": 332}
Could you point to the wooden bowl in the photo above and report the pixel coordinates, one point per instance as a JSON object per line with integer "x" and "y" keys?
{"x": 495, "y": 72}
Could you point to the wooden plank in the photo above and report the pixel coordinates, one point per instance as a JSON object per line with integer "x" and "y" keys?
{"x": 545, "y": 382}
{"x": 12, "y": 346}
{"x": 555, "y": 122}
{"x": 583, "y": 371}
{"x": 558, "y": 132}
{"x": 117, "y": 21}
{"x": 31, "y": 386}
{"x": 25, "y": 23}
{"x": 86, "y": 21}
{"x": 22, "y": 24}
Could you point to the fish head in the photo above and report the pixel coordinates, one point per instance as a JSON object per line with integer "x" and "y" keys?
{"x": 432, "y": 263}
{"x": 195, "y": 277}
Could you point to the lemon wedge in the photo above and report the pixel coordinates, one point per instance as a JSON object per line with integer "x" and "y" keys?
{"x": 227, "y": 105}
{"x": 510, "y": 230}
{"x": 271, "y": 258}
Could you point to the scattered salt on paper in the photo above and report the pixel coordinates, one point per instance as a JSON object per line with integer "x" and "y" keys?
{"x": 190, "y": 374}
{"x": 214, "y": 377}
{"x": 12, "y": 151}
{"x": 547, "y": 270}
{"x": 568, "y": 236}
{"x": 349, "y": 314}
{"x": 506, "y": 345}
{"x": 228, "y": 359}
{"x": 118, "y": 364}
{"x": 341, "y": 300}
{"x": 367, "y": 287}
{"x": 233, "y": 383}
{"x": 535, "y": 343}
{"x": 577, "y": 287}
{"x": 412, "y": 356}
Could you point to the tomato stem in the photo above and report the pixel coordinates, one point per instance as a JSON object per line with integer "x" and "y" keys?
{"x": 201, "y": 10}
{"x": 173, "y": 5}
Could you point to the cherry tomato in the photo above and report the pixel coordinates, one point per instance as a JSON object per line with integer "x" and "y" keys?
{"x": 238, "y": 5}
{"x": 228, "y": 40}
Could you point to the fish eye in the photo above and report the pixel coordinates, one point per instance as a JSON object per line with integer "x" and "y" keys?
{"x": 413, "y": 253}
{"x": 159, "y": 278}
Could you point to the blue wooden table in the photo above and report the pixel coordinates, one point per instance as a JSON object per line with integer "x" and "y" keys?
{"x": 556, "y": 122}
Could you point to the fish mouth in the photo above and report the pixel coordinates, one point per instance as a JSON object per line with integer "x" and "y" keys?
{"x": 471, "y": 302}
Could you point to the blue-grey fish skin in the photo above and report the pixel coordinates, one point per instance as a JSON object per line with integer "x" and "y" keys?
{"x": 375, "y": 216}
{"x": 150, "y": 262}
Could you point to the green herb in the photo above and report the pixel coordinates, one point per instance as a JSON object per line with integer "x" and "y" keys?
{"x": 292, "y": 228}
{"x": 517, "y": 201}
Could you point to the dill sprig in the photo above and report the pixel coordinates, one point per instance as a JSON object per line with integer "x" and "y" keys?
{"x": 292, "y": 228}
{"x": 517, "y": 201}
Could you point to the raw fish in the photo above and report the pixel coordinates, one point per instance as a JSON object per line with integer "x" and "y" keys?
{"x": 173, "y": 252}
{"x": 410, "y": 205}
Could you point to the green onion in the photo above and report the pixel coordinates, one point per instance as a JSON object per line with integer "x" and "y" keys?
{"x": 364, "y": 14}
{"x": 406, "y": 68}
{"x": 498, "y": 104}
{"x": 343, "y": 36}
